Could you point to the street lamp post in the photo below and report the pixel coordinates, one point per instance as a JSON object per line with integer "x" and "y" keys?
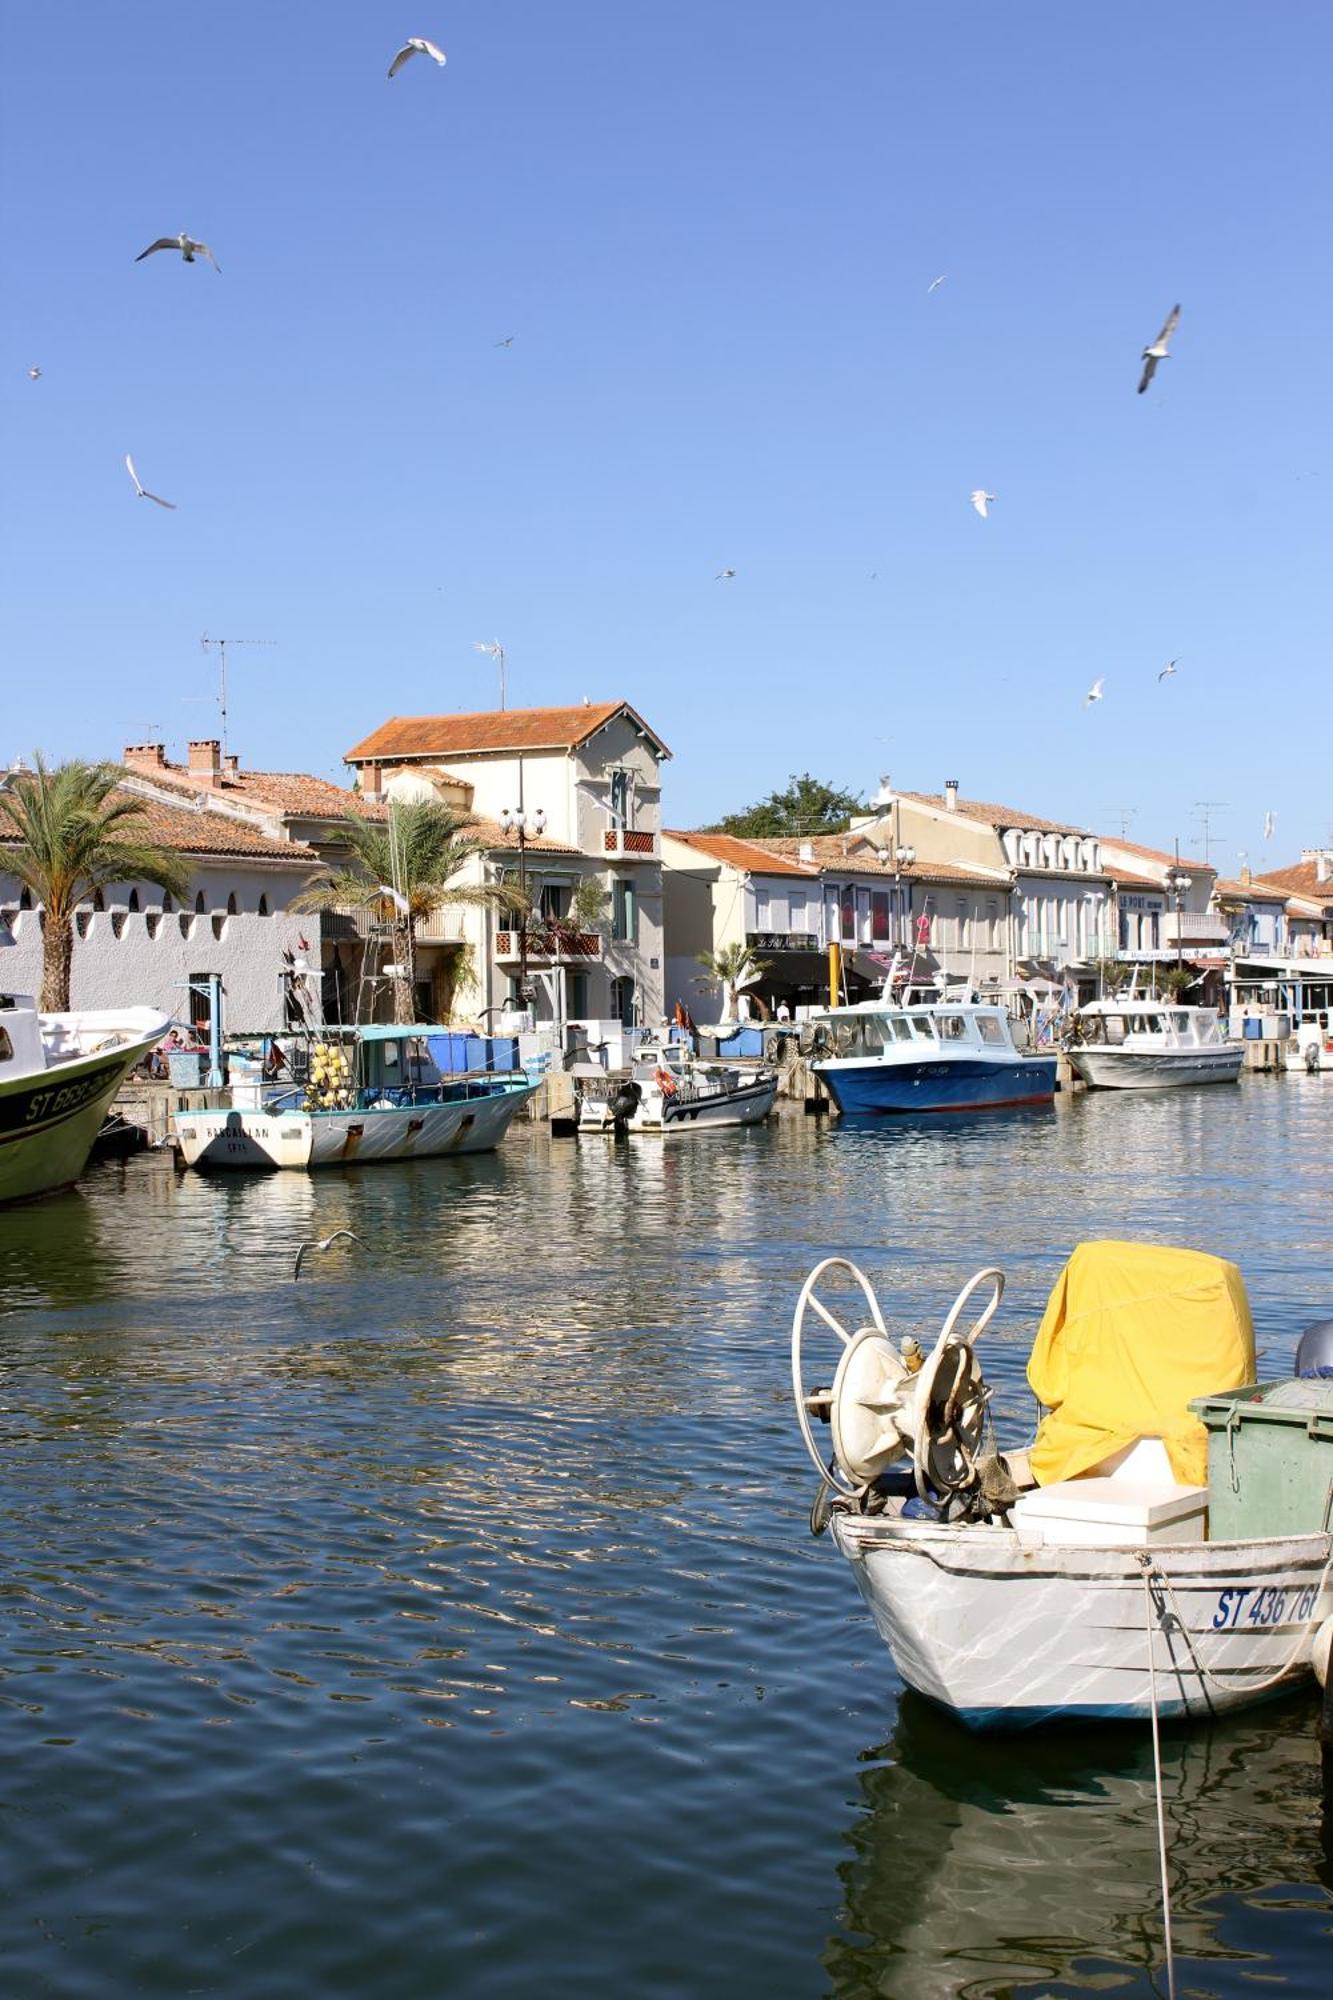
{"x": 523, "y": 825}
{"x": 903, "y": 857}
{"x": 1178, "y": 882}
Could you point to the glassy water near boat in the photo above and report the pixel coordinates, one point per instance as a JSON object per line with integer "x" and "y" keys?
{"x": 448, "y": 1622}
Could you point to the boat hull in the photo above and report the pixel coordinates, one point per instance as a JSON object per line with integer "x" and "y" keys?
{"x": 748, "y": 1104}
{"x": 1010, "y": 1635}
{"x": 962, "y": 1083}
{"x": 48, "y": 1121}
{"x": 1131, "y": 1069}
{"x": 246, "y": 1140}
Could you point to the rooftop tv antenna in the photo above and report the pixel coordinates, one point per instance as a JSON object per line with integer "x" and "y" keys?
{"x": 222, "y": 645}
{"x": 1205, "y": 808}
{"x": 497, "y": 653}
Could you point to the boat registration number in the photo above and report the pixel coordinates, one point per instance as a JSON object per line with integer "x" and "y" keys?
{"x": 1268, "y": 1606}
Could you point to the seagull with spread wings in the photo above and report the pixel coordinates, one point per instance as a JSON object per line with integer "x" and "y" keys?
{"x": 935, "y": 283}
{"x": 323, "y": 1243}
{"x": 187, "y": 246}
{"x": 34, "y": 374}
{"x": 1094, "y": 693}
{"x": 142, "y": 490}
{"x": 1157, "y": 352}
{"x": 724, "y": 576}
{"x": 1169, "y": 668}
{"x": 416, "y": 45}
{"x": 982, "y": 501}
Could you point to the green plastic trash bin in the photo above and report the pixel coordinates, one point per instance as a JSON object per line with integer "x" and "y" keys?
{"x": 1270, "y": 1459}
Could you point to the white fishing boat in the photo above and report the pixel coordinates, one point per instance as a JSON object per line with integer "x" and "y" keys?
{"x": 58, "y": 1075}
{"x": 1108, "y": 1590}
{"x": 1137, "y": 1044}
{"x": 370, "y": 1095}
{"x": 666, "y": 1089}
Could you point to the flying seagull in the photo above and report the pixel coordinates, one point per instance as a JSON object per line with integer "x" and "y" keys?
{"x": 187, "y": 246}
{"x": 507, "y": 342}
{"x": 1270, "y": 821}
{"x": 1157, "y": 352}
{"x": 723, "y": 575}
{"x": 1094, "y": 693}
{"x": 1169, "y": 668}
{"x": 324, "y": 1243}
{"x": 415, "y": 45}
{"x": 982, "y": 500}
{"x": 934, "y": 285}
{"x": 142, "y": 490}
{"x": 34, "y": 374}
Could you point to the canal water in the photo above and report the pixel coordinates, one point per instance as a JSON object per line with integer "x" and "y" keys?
{"x": 447, "y": 1623}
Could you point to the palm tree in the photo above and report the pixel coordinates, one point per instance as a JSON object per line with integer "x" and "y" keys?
{"x": 67, "y": 833}
{"x": 409, "y": 861}
{"x": 731, "y": 968}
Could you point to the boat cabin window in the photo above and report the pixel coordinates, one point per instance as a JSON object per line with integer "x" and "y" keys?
{"x": 1181, "y": 1023}
{"x": 952, "y": 1027}
{"x": 901, "y": 1029}
{"x": 989, "y": 1029}
{"x": 923, "y": 1028}
{"x": 1145, "y": 1024}
{"x": 1112, "y": 1029}
{"x": 6, "y": 1047}
{"x": 864, "y": 1037}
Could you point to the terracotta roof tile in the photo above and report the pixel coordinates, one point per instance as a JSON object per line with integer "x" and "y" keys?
{"x": 493, "y": 730}
{"x": 852, "y": 853}
{"x": 1301, "y": 878}
{"x": 992, "y": 815}
{"x": 1186, "y": 861}
{"x": 283, "y": 792}
{"x": 191, "y": 831}
{"x": 749, "y": 854}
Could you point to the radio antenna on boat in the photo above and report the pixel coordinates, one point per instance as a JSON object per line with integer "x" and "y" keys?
{"x": 222, "y": 645}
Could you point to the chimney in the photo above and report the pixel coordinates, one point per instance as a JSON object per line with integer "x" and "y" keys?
{"x": 145, "y": 756}
{"x": 951, "y": 795}
{"x": 1321, "y": 868}
{"x": 206, "y": 759}
{"x": 231, "y": 765}
{"x": 1245, "y": 876}
{"x": 371, "y": 776}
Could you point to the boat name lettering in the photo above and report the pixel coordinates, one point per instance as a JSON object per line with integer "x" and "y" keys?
{"x": 1263, "y": 1607}
{"x": 53, "y": 1103}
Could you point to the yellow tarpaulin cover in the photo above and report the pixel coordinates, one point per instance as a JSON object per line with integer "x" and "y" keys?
{"x": 1130, "y": 1334}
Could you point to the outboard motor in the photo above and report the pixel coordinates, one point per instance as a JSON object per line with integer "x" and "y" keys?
{"x": 1314, "y": 1356}
{"x": 628, "y": 1098}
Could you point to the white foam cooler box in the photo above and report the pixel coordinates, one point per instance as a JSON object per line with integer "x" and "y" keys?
{"x": 1110, "y": 1514}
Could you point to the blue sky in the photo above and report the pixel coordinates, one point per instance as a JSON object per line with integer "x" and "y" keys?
{"x": 710, "y": 231}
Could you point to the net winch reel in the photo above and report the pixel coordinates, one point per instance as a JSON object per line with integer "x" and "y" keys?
{"x": 886, "y": 1403}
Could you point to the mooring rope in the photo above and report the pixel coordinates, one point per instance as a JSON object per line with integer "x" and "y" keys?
{"x": 1206, "y": 1674}
{"x": 1146, "y": 1561}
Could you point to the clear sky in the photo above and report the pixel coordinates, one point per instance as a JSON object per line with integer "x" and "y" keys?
{"x": 709, "y": 230}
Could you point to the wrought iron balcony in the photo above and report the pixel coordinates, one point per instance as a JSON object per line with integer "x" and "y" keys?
{"x": 546, "y": 946}
{"x": 630, "y": 843}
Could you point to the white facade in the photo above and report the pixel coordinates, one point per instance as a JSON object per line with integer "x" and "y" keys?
{"x": 236, "y": 921}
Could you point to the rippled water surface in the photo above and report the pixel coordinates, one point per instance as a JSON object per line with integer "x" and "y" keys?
{"x": 447, "y": 1623}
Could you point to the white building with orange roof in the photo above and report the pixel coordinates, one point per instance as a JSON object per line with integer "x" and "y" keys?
{"x": 562, "y": 797}
{"x": 135, "y": 945}
{"x": 789, "y": 899}
{"x": 1058, "y": 907}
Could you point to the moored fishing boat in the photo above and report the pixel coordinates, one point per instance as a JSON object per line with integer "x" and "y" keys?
{"x": 1098, "y": 1575}
{"x": 370, "y": 1095}
{"x": 58, "y": 1075}
{"x": 1136, "y": 1044}
{"x": 940, "y": 1055}
{"x": 666, "y": 1089}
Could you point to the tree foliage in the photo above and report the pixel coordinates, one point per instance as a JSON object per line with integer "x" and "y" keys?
{"x": 417, "y": 852}
{"x": 807, "y": 806}
{"x": 68, "y": 833}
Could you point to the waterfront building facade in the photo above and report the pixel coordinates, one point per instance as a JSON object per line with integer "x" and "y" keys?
{"x": 562, "y": 797}
{"x": 134, "y": 945}
{"x": 788, "y": 900}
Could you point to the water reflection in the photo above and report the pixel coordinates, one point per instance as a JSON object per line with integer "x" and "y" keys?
{"x": 1001, "y": 1868}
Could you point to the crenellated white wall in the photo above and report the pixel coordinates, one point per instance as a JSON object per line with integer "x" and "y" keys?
{"x": 119, "y": 961}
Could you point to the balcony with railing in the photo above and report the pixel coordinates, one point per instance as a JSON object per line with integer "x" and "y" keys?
{"x": 545, "y": 946}
{"x": 630, "y": 843}
{"x": 1194, "y": 928}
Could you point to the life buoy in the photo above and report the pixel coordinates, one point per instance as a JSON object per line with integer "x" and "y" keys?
{"x": 665, "y": 1082}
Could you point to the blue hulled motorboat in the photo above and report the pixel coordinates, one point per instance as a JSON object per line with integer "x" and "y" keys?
{"x": 943, "y": 1055}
